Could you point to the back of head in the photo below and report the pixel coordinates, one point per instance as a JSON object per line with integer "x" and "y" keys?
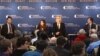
{"x": 22, "y": 40}
{"x": 49, "y": 52}
{"x": 94, "y": 37}
{"x": 81, "y": 31}
{"x": 53, "y": 40}
{"x": 41, "y": 45}
{"x": 1, "y": 37}
{"x": 18, "y": 33}
{"x": 93, "y": 31}
{"x": 43, "y": 35}
{"x": 77, "y": 47}
{"x": 4, "y": 45}
{"x": 61, "y": 41}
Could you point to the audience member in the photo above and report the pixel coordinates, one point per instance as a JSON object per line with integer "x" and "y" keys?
{"x": 78, "y": 48}
{"x": 49, "y": 52}
{"x": 15, "y": 43}
{"x": 52, "y": 41}
{"x": 18, "y": 34}
{"x": 95, "y": 42}
{"x": 60, "y": 47}
{"x": 6, "y": 48}
{"x": 81, "y": 35}
{"x": 98, "y": 53}
{"x": 93, "y": 31}
{"x": 40, "y": 46}
{"x": 22, "y": 44}
{"x": 43, "y": 36}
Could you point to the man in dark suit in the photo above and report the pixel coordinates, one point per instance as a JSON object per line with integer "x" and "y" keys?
{"x": 59, "y": 27}
{"x": 8, "y": 28}
{"x": 89, "y": 25}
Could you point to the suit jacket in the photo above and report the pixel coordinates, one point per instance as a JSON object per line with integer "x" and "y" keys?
{"x": 61, "y": 51}
{"x": 4, "y": 30}
{"x": 62, "y": 29}
{"x": 87, "y": 28}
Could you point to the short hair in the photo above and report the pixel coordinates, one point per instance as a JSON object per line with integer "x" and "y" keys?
{"x": 81, "y": 31}
{"x": 91, "y": 19}
{"x": 22, "y": 40}
{"x": 49, "y": 52}
{"x": 77, "y": 47}
{"x": 42, "y": 35}
{"x": 41, "y": 45}
{"x": 4, "y": 44}
{"x": 61, "y": 41}
{"x": 94, "y": 37}
{"x": 9, "y": 17}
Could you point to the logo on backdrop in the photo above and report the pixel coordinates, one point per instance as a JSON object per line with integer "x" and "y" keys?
{"x": 92, "y": 7}
{"x": 15, "y": 16}
{"x": 25, "y": 8}
{"x": 98, "y": 15}
{"x": 24, "y": 25}
{"x": 49, "y": 24}
{"x": 72, "y": 25}
{"x": 5, "y": 8}
{"x": 48, "y": 8}
{"x": 63, "y": 16}
{"x": 80, "y": 16}
{"x": 36, "y": 16}
{"x": 70, "y": 8}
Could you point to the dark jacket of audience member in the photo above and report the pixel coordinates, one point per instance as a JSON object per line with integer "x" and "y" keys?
{"x": 43, "y": 36}
{"x": 78, "y": 48}
{"x": 60, "y": 47}
{"x": 23, "y": 44}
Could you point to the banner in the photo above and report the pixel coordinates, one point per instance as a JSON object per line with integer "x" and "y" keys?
{"x": 27, "y": 13}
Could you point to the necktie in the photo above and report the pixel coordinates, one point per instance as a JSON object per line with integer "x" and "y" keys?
{"x": 10, "y": 28}
{"x": 58, "y": 26}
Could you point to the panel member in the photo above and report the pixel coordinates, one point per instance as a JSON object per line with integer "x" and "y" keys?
{"x": 59, "y": 27}
{"x": 90, "y": 25}
{"x": 42, "y": 29}
{"x": 8, "y": 28}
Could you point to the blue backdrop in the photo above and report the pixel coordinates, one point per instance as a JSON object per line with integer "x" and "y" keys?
{"x": 27, "y": 13}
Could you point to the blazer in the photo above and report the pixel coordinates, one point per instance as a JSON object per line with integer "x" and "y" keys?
{"x": 4, "y": 30}
{"x": 62, "y": 29}
{"x": 87, "y": 28}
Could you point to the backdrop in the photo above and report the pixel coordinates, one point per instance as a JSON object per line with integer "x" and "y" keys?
{"x": 27, "y": 13}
